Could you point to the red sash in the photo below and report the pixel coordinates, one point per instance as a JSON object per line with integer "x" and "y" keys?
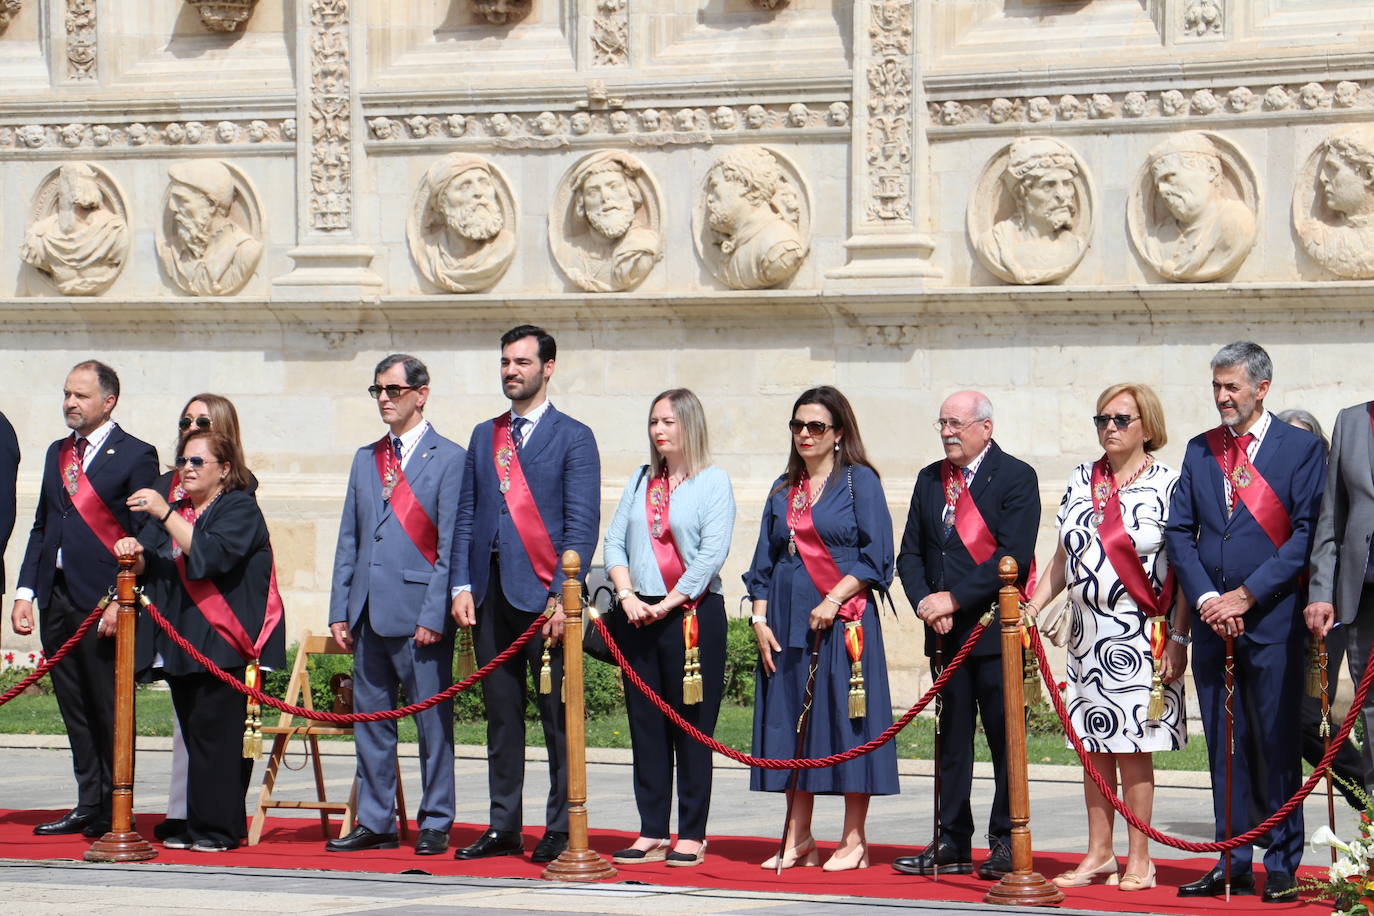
{"x": 88, "y": 503}
{"x": 1120, "y": 550}
{"x": 973, "y": 530}
{"x": 534, "y": 535}
{"x": 657, "y": 498}
{"x": 416, "y": 523}
{"x": 816, "y": 558}
{"x": 1370, "y": 407}
{"x": 1250, "y": 486}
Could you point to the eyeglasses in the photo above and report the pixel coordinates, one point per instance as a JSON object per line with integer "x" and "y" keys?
{"x": 954, "y": 426}
{"x": 1122, "y": 420}
{"x": 185, "y": 423}
{"x": 392, "y": 391}
{"x": 814, "y": 427}
{"x": 195, "y": 461}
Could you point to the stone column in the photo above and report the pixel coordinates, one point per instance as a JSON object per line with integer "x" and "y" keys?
{"x": 889, "y": 242}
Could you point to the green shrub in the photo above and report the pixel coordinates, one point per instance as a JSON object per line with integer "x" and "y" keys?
{"x": 13, "y": 675}
{"x": 602, "y": 694}
{"x": 321, "y": 668}
{"x": 741, "y": 661}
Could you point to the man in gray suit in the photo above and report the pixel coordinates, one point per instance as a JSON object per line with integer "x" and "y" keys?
{"x": 389, "y": 604}
{"x": 1342, "y": 581}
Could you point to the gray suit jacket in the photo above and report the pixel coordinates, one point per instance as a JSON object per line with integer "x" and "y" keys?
{"x": 1340, "y": 547}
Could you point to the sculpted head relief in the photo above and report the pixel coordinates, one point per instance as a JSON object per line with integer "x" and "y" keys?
{"x": 207, "y": 253}
{"x": 1038, "y": 242}
{"x": 755, "y": 210}
{"x": 1335, "y": 220}
{"x": 607, "y": 239}
{"x": 79, "y": 238}
{"x": 458, "y": 230}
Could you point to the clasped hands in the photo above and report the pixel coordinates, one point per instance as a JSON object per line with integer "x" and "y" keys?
{"x": 640, "y": 614}
{"x": 1225, "y": 613}
{"x": 937, "y": 610}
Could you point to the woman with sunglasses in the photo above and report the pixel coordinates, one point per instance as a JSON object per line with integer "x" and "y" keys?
{"x": 1126, "y": 625}
{"x": 824, "y": 548}
{"x": 208, "y": 564}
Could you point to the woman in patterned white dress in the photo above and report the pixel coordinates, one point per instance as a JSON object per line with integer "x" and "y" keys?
{"x": 1113, "y": 513}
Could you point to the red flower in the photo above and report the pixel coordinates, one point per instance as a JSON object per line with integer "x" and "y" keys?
{"x": 9, "y": 658}
{"x": 1062, "y": 686}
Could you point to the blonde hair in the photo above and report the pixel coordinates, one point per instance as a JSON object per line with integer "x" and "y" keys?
{"x": 1151, "y": 412}
{"x": 691, "y": 420}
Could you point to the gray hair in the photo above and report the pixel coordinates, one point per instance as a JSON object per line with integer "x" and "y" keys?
{"x": 1258, "y": 366}
{"x": 417, "y": 375}
{"x": 982, "y": 407}
{"x": 1300, "y": 417}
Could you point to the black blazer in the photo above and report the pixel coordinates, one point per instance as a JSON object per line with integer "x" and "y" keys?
{"x": 1007, "y": 494}
{"x": 9, "y": 475}
{"x": 125, "y": 464}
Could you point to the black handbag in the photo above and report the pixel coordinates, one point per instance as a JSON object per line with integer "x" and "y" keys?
{"x": 593, "y": 643}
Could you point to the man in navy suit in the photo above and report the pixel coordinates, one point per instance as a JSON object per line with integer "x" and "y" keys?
{"x": 948, "y": 566}
{"x": 531, "y": 490}
{"x": 70, "y": 565}
{"x": 1240, "y": 528}
{"x": 9, "y": 475}
{"x": 389, "y": 604}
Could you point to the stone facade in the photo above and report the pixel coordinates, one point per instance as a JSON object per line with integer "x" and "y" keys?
{"x": 890, "y": 126}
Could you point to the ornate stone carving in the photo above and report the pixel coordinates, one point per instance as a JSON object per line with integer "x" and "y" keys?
{"x": 1031, "y": 215}
{"x": 1039, "y": 109}
{"x": 1101, "y": 106}
{"x": 461, "y": 228}
{"x": 196, "y": 132}
{"x": 500, "y": 12}
{"x": 80, "y": 23}
{"x": 71, "y": 135}
{"x": 1204, "y": 102}
{"x": 1346, "y": 95}
{"x": 173, "y": 133}
{"x": 223, "y": 15}
{"x": 837, "y": 113}
{"x": 724, "y": 118}
{"x": 1313, "y": 97}
{"x": 1134, "y": 105}
{"x": 1192, "y": 209}
{"x": 31, "y": 135}
{"x": 1276, "y": 99}
{"x": 1333, "y": 204}
{"x": 605, "y": 227}
{"x": 210, "y": 237}
{"x": 8, "y": 10}
{"x": 78, "y": 235}
{"x": 798, "y": 115}
{"x": 752, "y": 223}
{"x": 770, "y": 4}
{"x": 755, "y": 117}
{"x": 1070, "y": 108}
{"x": 1240, "y": 99}
{"x": 610, "y": 33}
{"x": 888, "y": 195}
{"x": 1203, "y": 17}
{"x": 331, "y": 180}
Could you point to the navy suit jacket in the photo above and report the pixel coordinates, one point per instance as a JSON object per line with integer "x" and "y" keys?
{"x": 563, "y": 468}
{"x": 376, "y": 564}
{"x": 1211, "y": 552}
{"x": 9, "y": 475}
{"x": 125, "y": 464}
{"x": 1007, "y": 494}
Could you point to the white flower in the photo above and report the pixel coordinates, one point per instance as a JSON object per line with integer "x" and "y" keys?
{"x": 1324, "y": 837}
{"x": 1344, "y": 868}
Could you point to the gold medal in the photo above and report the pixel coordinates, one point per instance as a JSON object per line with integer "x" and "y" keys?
{"x": 1241, "y": 477}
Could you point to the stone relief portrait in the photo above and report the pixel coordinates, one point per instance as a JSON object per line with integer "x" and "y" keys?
{"x": 211, "y": 235}
{"x": 500, "y": 12}
{"x": 1333, "y": 204}
{"x": 1031, "y": 215}
{"x": 605, "y": 227}
{"x": 1192, "y": 210}
{"x": 752, "y": 224}
{"x": 461, "y": 228}
{"x": 78, "y": 237}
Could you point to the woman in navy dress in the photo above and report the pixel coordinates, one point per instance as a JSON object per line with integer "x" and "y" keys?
{"x": 829, "y": 469}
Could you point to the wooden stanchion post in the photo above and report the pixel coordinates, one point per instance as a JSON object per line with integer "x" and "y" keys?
{"x": 1021, "y": 886}
{"x": 577, "y": 862}
{"x": 122, "y": 843}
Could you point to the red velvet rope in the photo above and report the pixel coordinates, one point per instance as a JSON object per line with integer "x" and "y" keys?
{"x": 320, "y": 715}
{"x": 47, "y": 664}
{"x": 800, "y": 763}
{"x": 1244, "y": 839}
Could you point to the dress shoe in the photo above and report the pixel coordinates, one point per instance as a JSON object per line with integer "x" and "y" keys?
{"x": 492, "y": 843}
{"x": 1279, "y": 887}
{"x": 361, "y": 838}
{"x": 96, "y": 829}
{"x": 804, "y": 854}
{"x": 677, "y": 859}
{"x": 1134, "y": 882}
{"x": 656, "y": 853}
{"x": 549, "y": 846}
{"x": 204, "y": 845}
{"x": 1082, "y": 877}
{"x": 180, "y": 841}
{"x": 172, "y": 826}
{"x": 71, "y": 822}
{"x": 998, "y": 862}
{"x": 943, "y": 854}
{"x": 855, "y": 858}
{"x": 1213, "y": 884}
{"x": 431, "y": 842}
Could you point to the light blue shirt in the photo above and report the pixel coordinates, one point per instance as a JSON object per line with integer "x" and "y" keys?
{"x": 701, "y": 516}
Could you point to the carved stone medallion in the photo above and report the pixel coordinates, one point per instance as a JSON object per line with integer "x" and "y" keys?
{"x": 461, "y": 228}
{"x": 210, "y": 237}
{"x": 1333, "y": 203}
{"x": 606, "y": 222}
{"x": 223, "y": 15}
{"x": 8, "y": 10}
{"x": 78, "y": 234}
{"x": 752, "y": 221}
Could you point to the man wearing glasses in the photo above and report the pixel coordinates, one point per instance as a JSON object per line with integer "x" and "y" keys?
{"x": 968, "y": 511}
{"x": 389, "y": 604}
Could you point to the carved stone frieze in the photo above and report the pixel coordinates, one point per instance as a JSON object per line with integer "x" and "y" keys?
{"x": 8, "y": 10}
{"x": 1203, "y": 17}
{"x": 78, "y": 233}
{"x": 76, "y": 135}
{"x": 606, "y": 222}
{"x": 500, "y": 12}
{"x": 223, "y": 15}
{"x": 887, "y": 198}
{"x": 210, "y": 233}
{"x": 770, "y": 4}
{"x": 80, "y": 23}
{"x": 611, "y": 33}
{"x": 1333, "y": 204}
{"x": 461, "y": 229}
{"x": 752, "y": 221}
{"x": 331, "y": 178}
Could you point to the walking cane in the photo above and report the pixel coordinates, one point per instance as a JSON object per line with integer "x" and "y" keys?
{"x": 1230, "y": 745}
{"x": 802, "y": 721}
{"x": 939, "y": 703}
{"x": 1325, "y": 731}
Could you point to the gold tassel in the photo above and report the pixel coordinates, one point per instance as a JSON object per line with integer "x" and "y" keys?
{"x": 1314, "y": 671}
{"x": 1030, "y": 677}
{"x": 467, "y": 654}
{"x": 858, "y": 697}
{"x": 546, "y": 669}
{"x": 691, "y": 677}
{"x": 252, "y": 721}
{"x": 1155, "y": 711}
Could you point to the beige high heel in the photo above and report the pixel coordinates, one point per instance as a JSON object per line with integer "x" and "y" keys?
{"x": 856, "y": 858}
{"x": 804, "y": 855}
{"x": 1082, "y": 878}
{"x": 1133, "y": 882}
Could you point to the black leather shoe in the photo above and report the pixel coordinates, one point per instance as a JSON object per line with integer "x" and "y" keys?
{"x": 1213, "y": 884}
{"x": 944, "y": 854}
{"x": 998, "y": 862}
{"x": 1279, "y": 887}
{"x": 96, "y": 829}
{"x": 71, "y": 822}
{"x": 492, "y": 843}
{"x": 361, "y": 838}
{"x": 549, "y": 846}
{"x": 172, "y": 826}
{"x": 431, "y": 843}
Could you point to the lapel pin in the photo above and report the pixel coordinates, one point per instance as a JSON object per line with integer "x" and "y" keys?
{"x": 109, "y": 451}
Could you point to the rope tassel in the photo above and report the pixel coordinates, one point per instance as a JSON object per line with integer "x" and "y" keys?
{"x": 1314, "y": 671}
{"x": 691, "y": 664}
{"x": 854, "y": 643}
{"x": 1155, "y": 710}
{"x": 467, "y": 654}
{"x": 546, "y": 669}
{"x": 252, "y": 721}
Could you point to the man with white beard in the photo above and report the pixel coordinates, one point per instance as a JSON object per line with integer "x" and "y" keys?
{"x": 1206, "y": 234}
{"x": 466, "y": 243}
{"x": 1037, "y": 243}
{"x": 621, "y": 247}
{"x": 82, "y": 244}
{"x": 750, "y": 203}
{"x": 209, "y": 254}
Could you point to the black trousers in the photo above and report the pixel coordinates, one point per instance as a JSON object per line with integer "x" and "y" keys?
{"x": 656, "y": 653}
{"x": 974, "y": 691}
{"x": 84, "y": 685}
{"x": 217, "y": 776}
{"x": 498, "y": 624}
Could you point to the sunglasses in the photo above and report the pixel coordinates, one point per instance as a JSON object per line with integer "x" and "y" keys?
{"x": 815, "y": 427}
{"x": 185, "y": 423}
{"x": 194, "y": 461}
{"x": 392, "y": 391}
{"x": 1122, "y": 420}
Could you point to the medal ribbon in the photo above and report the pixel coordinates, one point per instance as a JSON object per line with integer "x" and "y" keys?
{"x": 1250, "y": 486}
{"x": 973, "y": 531}
{"x": 524, "y": 513}
{"x": 816, "y": 558}
{"x": 88, "y": 503}
{"x": 415, "y": 521}
{"x": 217, "y": 612}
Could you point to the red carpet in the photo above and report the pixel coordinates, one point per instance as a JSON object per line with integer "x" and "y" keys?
{"x": 731, "y": 862}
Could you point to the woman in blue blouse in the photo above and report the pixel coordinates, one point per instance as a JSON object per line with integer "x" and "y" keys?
{"x": 829, "y": 490}
{"x": 663, "y": 552}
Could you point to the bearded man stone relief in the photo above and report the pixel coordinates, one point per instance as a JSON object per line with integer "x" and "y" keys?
{"x": 462, "y": 222}
{"x": 79, "y": 238}
{"x": 211, "y": 230}
{"x": 605, "y": 226}
{"x": 1333, "y": 204}
{"x": 753, "y": 221}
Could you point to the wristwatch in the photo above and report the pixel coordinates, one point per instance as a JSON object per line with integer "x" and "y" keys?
{"x": 624, "y": 593}
{"x": 1182, "y": 640}
{"x": 756, "y": 619}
